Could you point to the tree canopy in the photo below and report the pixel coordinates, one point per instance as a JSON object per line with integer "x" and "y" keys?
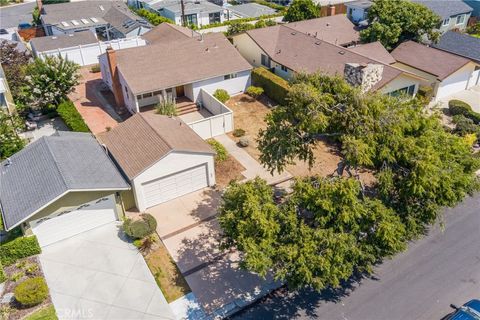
{"x": 302, "y": 10}
{"x": 10, "y": 141}
{"x": 14, "y": 63}
{"x": 392, "y": 22}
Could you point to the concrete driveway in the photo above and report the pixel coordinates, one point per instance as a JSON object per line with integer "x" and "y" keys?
{"x": 99, "y": 275}
{"x": 470, "y": 96}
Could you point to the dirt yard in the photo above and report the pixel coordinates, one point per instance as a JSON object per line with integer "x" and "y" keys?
{"x": 227, "y": 171}
{"x": 249, "y": 115}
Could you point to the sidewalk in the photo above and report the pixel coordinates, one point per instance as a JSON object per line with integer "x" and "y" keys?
{"x": 253, "y": 168}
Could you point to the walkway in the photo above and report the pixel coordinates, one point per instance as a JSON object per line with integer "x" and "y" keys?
{"x": 253, "y": 168}
{"x": 470, "y": 96}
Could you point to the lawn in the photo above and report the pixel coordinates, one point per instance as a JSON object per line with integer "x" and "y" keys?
{"x": 166, "y": 272}
{"x": 249, "y": 115}
{"x": 47, "y": 313}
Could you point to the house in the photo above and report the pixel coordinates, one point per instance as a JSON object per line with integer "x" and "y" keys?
{"x": 249, "y": 10}
{"x": 107, "y": 19}
{"x": 357, "y": 11}
{"x": 475, "y": 4}
{"x": 460, "y": 44}
{"x": 445, "y": 72}
{"x": 161, "y": 156}
{"x": 61, "y": 41}
{"x": 285, "y": 52}
{"x": 453, "y": 13}
{"x": 197, "y": 13}
{"x": 179, "y": 66}
{"x": 60, "y": 186}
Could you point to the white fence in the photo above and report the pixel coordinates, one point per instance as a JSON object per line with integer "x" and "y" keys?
{"x": 221, "y": 122}
{"x": 88, "y": 54}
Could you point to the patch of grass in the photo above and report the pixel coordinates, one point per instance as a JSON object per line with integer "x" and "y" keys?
{"x": 166, "y": 273}
{"x": 47, "y": 313}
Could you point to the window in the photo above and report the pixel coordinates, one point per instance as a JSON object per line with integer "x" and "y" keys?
{"x": 350, "y": 12}
{"x": 284, "y": 69}
{"x": 157, "y": 93}
{"x": 410, "y": 90}
{"x": 446, "y": 22}
{"x": 460, "y": 19}
{"x": 139, "y": 97}
{"x": 230, "y": 76}
{"x": 265, "y": 61}
{"x": 214, "y": 17}
{"x": 191, "y": 19}
{"x": 146, "y": 95}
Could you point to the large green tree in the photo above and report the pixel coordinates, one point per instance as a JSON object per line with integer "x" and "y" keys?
{"x": 392, "y": 22}
{"x": 14, "y": 62}
{"x": 302, "y": 10}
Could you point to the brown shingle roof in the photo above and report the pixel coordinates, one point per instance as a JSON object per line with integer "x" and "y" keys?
{"x": 144, "y": 139}
{"x": 336, "y": 29}
{"x": 166, "y": 32}
{"x": 300, "y": 52}
{"x": 436, "y": 62}
{"x": 374, "y": 50}
{"x": 172, "y": 63}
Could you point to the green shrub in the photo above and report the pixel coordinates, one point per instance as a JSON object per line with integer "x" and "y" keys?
{"x": 67, "y": 111}
{"x": 17, "y": 276}
{"x": 425, "y": 92}
{"x": 95, "y": 68}
{"x": 151, "y": 17}
{"x": 31, "y": 269}
{"x": 464, "y": 125}
{"x": 221, "y": 152}
{"x": 221, "y": 95}
{"x": 31, "y": 292}
{"x": 254, "y": 92}
{"x": 238, "y": 133}
{"x": 3, "y": 277}
{"x": 457, "y": 107}
{"x": 166, "y": 106}
{"x": 18, "y": 248}
{"x": 275, "y": 87}
{"x": 140, "y": 228}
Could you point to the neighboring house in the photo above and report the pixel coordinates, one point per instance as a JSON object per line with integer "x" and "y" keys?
{"x": 107, "y": 19}
{"x": 161, "y": 156}
{"x": 357, "y": 11}
{"x": 475, "y": 4}
{"x": 460, "y": 44}
{"x": 249, "y": 10}
{"x": 286, "y": 52}
{"x": 453, "y": 13}
{"x": 176, "y": 66}
{"x": 447, "y": 73}
{"x": 197, "y": 13}
{"x": 6, "y": 99}
{"x": 61, "y": 41}
{"x": 60, "y": 186}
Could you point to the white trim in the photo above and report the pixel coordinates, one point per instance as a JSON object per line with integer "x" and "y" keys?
{"x": 456, "y": 19}
{"x": 446, "y": 24}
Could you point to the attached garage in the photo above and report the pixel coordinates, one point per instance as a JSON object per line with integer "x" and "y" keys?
{"x": 162, "y": 156}
{"x": 456, "y": 82}
{"x": 60, "y": 186}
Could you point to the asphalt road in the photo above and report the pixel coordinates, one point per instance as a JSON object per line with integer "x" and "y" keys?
{"x": 11, "y": 16}
{"x": 440, "y": 269}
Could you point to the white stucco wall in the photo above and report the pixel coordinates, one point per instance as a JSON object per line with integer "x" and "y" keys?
{"x": 453, "y": 23}
{"x": 456, "y": 82}
{"x": 400, "y": 82}
{"x": 233, "y": 86}
{"x": 248, "y": 49}
{"x": 172, "y": 163}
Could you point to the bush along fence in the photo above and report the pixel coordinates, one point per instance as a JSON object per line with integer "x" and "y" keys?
{"x": 74, "y": 121}
{"x": 275, "y": 88}
{"x": 19, "y": 248}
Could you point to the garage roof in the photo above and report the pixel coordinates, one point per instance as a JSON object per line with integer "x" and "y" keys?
{"x": 144, "y": 139}
{"x": 49, "y": 168}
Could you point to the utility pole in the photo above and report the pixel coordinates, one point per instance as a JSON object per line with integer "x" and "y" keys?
{"x": 184, "y": 19}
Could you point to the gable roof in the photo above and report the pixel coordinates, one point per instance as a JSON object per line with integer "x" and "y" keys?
{"x": 252, "y": 10}
{"x": 446, "y": 8}
{"x": 374, "y": 50}
{"x": 189, "y": 7}
{"x": 436, "y": 62}
{"x": 167, "y": 64}
{"x": 47, "y": 43}
{"x": 460, "y": 44}
{"x": 337, "y": 29}
{"x": 142, "y": 140}
{"x": 300, "y": 52}
{"x": 167, "y": 32}
{"x": 48, "y": 168}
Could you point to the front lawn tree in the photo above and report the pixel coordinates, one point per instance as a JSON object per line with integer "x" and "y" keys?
{"x": 14, "y": 63}
{"x": 49, "y": 81}
{"x": 392, "y": 22}
{"x": 302, "y": 10}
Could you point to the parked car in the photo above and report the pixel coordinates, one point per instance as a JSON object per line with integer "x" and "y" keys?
{"x": 469, "y": 311}
{"x": 24, "y": 25}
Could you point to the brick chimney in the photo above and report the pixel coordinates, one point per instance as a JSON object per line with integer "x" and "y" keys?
{"x": 331, "y": 10}
{"x": 363, "y": 75}
{"x": 116, "y": 85}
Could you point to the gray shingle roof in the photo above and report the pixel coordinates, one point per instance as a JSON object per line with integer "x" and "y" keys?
{"x": 446, "y": 8}
{"x": 252, "y": 10}
{"x": 460, "y": 44}
{"x": 50, "y": 167}
{"x": 42, "y": 44}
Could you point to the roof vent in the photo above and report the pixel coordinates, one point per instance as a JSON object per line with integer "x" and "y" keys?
{"x": 53, "y": 38}
{"x": 70, "y": 35}
{"x": 293, "y": 33}
{"x": 318, "y": 43}
{"x": 102, "y": 8}
{"x": 8, "y": 162}
{"x": 342, "y": 52}
{"x": 279, "y": 51}
{"x": 328, "y": 24}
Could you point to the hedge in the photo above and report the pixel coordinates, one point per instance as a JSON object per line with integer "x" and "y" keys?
{"x": 67, "y": 111}
{"x": 275, "y": 88}
{"x": 221, "y": 153}
{"x": 3, "y": 277}
{"x": 18, "y": 248}
{"x": 31, "y": 292}
{"x": 457, "y": 107}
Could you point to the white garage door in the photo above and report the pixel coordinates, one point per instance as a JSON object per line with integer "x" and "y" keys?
{"x": 455, "y": 83}
{"x": 66, "y": 224}
{"x": 175, "y": 185}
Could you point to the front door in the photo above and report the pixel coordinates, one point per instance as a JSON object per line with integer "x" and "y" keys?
{"x": 180, "y": 91}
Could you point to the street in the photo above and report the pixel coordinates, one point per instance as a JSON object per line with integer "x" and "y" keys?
{"x": 421, "y": 283}
{"x": 11, "y": 16}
